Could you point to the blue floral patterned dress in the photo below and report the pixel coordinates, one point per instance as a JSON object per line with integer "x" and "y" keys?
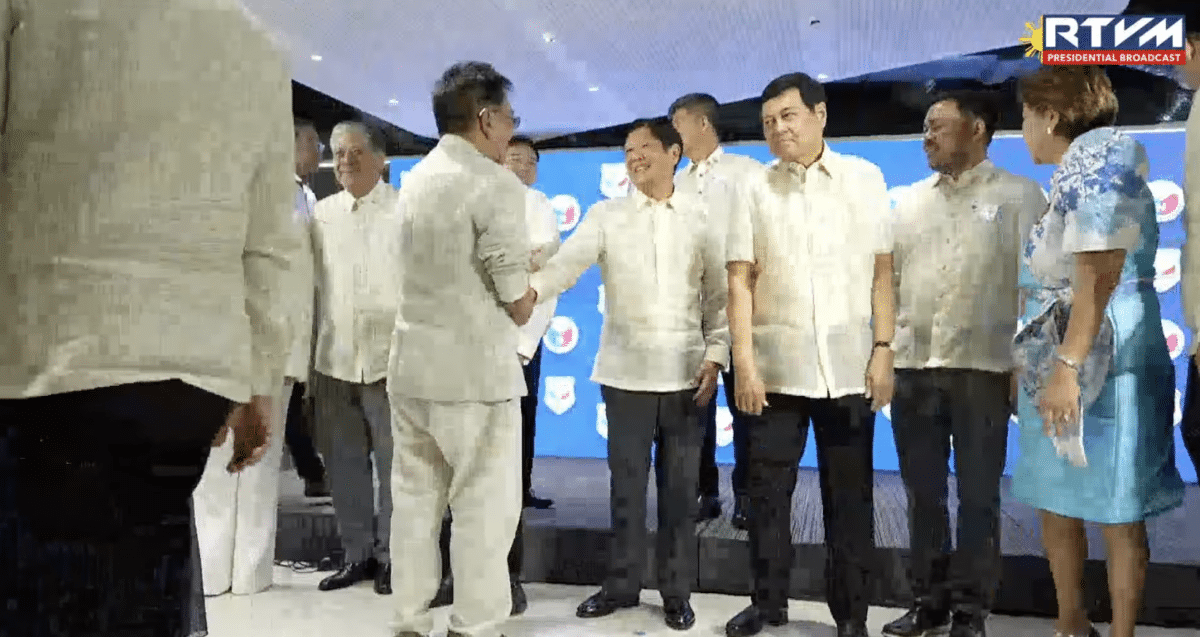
{"x": 1099, "y": 201}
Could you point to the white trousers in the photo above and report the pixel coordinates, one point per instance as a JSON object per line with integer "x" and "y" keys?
{"x": 236, "y": 514}
{"x": 466, "y": 456}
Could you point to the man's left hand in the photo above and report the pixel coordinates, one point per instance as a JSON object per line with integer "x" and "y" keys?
{"x": 881, "y": 378}
{"x": 706, "y": 378}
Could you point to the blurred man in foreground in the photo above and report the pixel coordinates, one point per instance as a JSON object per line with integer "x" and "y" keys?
{"x": 144, "y": 284}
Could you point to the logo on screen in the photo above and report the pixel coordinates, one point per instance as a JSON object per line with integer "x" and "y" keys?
{"x": 560, "y": 393}
{"x": 600, "y": 299}
{"x": 1166, "y": 269}
{"x": 724, "y": 426}
{"x": 1106, "y": 39}
{"x": 1168, "y": 200}
{"x": 614, "y": 180}
{"x": 562, "y": 335}
{"x": 567, "y": 209}
{"x": 602, "y": 420}
{"x": 1178, "y": 407}
{"x": 1175, "y": 339}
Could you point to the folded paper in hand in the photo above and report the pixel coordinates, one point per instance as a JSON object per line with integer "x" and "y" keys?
{"x": 1035, "y": 348}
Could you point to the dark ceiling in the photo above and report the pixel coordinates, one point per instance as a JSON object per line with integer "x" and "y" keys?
{"x": 890, "y": 103}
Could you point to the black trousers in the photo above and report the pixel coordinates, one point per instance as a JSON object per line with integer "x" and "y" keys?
{"x": 844, "y": 429}
{"x": 529, "y": 403}
{"x": 709, "y": 476}
{"x": 972, "y": 408}
{"x": 1190, "y": 426}
{"x": 636, "y": 422}
{"x": 529, "y": 407}
{"x": 297, "y": 435}
{"x": 95, "y": 517}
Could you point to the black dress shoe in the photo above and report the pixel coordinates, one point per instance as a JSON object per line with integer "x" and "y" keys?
{"x": 349, "y": 575}
{"x": 751, "y": 621}
{"x": 445, "y": 593}
{"x": 741, "y": 509}
{"x": 708, "y": 508}
{"x": 967, "y": 624}
{"x": 519, "y": 602}
{"x": 678, "y": 614}
{"x": 316, "y": 489}
{"x": 383, "y": 579}
{"x": 533, "y": 502}
{"x": 918, "y": 621}
{"x": 852, "y": 629}
{"x": 602, "y": 604}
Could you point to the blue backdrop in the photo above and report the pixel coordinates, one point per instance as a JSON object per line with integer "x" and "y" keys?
{"x": 571, "y": 417}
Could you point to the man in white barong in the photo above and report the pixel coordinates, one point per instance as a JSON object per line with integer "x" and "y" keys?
{"x": 454, "y": 376}
{"x": 236, "y": 513}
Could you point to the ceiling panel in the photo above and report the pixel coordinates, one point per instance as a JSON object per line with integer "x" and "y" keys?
{"x": 586, "y": 65}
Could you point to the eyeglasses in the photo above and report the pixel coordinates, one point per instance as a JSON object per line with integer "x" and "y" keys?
{"x": 516, "y": 121}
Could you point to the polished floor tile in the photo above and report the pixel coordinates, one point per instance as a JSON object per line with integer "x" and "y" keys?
{"x": 295, "y": 608}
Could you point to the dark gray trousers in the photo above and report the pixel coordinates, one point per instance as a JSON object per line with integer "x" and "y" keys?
{"x": 972, "y": 408}
{"x": 354, "y": 425}
{"x": 637, "y": 420}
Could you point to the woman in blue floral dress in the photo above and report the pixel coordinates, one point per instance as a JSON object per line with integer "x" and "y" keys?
{"x": 1100, "y": 349}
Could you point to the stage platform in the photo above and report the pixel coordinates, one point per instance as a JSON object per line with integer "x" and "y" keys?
{"x": 568, "y": 544}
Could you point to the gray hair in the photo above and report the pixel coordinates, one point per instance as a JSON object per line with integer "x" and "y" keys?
{"x": 373, "y": 138}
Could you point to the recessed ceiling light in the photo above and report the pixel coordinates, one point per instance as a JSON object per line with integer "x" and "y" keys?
{"x": 316, "y": 58}
{"x": 593, "y": 88}
{"x": 393, "y": 102}
{"x": 548, "y": 37}
{"x": 822, "y": 76}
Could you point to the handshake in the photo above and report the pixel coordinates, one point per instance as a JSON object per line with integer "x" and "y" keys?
{"x": 521, "y": 309}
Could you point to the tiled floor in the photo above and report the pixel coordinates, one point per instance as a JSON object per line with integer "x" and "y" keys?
{"x": 295, "y": 608}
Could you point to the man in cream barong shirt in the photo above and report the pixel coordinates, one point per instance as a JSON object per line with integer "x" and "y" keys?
{"x": 542, "y": 222}
{"x": 144, "y": 284}
{"x": 711, "y": 174}
{"x": 959, "y": 242}
{"x": 454, "y": 377}
{"x": 663, "y": 343}
{"x": 236, "y": 514}
{"x": 354, "y": 238}
{"x": 811, "y": 315}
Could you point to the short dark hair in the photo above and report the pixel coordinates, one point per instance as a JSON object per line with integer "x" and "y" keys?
{"x": 661, "y": 129}
{"x": 699, "y": 103}
{"x": 522, "y": 140}
{"x": 1082, "y": 96}
{"x": 462, "y": 91}
{"x": 299, "y": 124}
{"x": 811, "y": 91}
{"x": 976, "y": 105}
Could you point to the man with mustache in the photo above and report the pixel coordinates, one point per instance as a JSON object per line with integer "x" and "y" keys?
{"x": 811, "y": 311}
{"x": 355, "y": 247}
{"x": 959, "y": 237}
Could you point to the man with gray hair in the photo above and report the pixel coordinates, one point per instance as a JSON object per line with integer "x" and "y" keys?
{"x": 354, "y": 240}
{"x": 455, "y": 377}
